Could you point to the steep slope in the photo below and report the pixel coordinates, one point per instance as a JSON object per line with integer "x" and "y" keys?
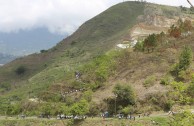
{"x": 93, "y": 38}
{"x": 50, "y": 75}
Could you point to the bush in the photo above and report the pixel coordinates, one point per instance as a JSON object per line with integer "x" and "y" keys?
{"x": 165, "y": 80}
{"x": 160, "y": 100}
{"x": 183, "y": 119}
{"x": 127, "y": 110}
{"x": 93, "y": 109}
{"x": 150, "y": 80}
{"x": 179, "y": 93}
{"x": 139, "y": 46}
{"x": 20, "y": 70}
{"x": 43, "y": 51}
{"x": 88, "y": 95}
{"x": 5, "y": 86}
{"x": 190, "y": 90}
{"x": 185, "y": 58}
{"x": 124, "y": 95}
{"x": 80, "y": 108}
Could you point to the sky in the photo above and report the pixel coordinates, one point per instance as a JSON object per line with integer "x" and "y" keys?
{"x": 58, "y": 16}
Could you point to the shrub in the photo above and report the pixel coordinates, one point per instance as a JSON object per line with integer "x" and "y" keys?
{"x": 20, "y": 70}
{"x": 139, "y": 46}
{"x": 88, "y": 95}
{"x": 124, "y": 95}
{"x": 80, "y": 108}
{"x": 93, "y": 109}
{"x": 150, "y": 80}
{"x": 185, "y": 58}
{"x": 165, "y": 80}
{"x": 160, "y": 100}
{"x": 43, "y": 51}
{"x": 174, "y": 31}
{"x": 127, "y": 110}
{"x": 190, "y": 90}
{"x": 179, "y": 93}
{"x": 183, "y": 119}
{"x": 5, "y": 86}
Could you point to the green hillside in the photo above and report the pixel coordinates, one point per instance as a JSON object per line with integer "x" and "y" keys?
{"x": 82, "y": 73}
{"x": 93, "y": 38}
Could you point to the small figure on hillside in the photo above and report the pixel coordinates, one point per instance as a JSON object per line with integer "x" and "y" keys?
{"x": 77, "y": 75}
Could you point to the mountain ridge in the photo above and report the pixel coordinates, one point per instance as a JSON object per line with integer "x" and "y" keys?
{"x": 52, "y": 75}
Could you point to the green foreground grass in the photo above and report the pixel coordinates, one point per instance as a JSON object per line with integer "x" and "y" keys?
{"x": 144, "y": 121}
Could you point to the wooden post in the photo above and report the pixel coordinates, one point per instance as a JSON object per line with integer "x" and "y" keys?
{"x": 190, "y": 3}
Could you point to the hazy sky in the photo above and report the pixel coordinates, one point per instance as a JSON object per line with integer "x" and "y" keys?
{"x": 59, "y": 16}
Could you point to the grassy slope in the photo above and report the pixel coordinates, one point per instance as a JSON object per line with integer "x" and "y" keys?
{"x": 93, "y": 38}
{"x": 146, "y": 121}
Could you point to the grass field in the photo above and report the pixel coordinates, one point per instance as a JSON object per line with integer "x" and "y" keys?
{"x": 142, "y": 121}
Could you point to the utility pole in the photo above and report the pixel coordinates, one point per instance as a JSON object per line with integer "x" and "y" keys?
{"x": 115, "y": 105}
{"x": 190, "y": 3}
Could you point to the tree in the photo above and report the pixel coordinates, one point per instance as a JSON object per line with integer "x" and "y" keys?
{"x": 174, "y": 31}
{"x": 139, "y": 46}
{"x": 150, "y": 42}
{"x": 20, "y": 70}
{"x": 80, "y": 108}
{"x": 185, "y": 58}
{"x": 125, "y": 95}
{"x": 187, "y": 25}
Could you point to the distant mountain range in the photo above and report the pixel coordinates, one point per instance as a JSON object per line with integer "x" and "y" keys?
{"x": 5, "y": 58}
{"x": 26, "y": 42}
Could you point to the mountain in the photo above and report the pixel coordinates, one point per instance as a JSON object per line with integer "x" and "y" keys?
{"x": 25, "y": 42}
{"x": 5, "y": 58}
{"x": 89, "y": 64}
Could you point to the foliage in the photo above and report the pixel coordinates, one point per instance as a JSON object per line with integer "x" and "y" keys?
{"x": 5, "y": 86}
{"x": 150, "y": 42}
{"x": 184, "y": 26}
{"x": 165, "y": 80}
{"x": 183, "y": 119}
{"x": 80, "y": 108}
{"x": 179, "y": 93}
{"x": 93, "y": 109}
{"x": 190, "y": 89}
{"x": 46, "y": 108}
{"x": 97, "y": 71}
{"x": 139, "y": 46}
{"x": 127, "y": 110}
{"x": 14, "y": 109}
{"x": 161, "y": 101}
{"x": 149, "y": 81}
{"x": 124, "y": 95}
{"x": 87, "y": 95}
{"x": 20, "y": 70}
{"x": 174, "y": 31}
{"x": 43, "y": 51}
{"x": 185, "y": 58}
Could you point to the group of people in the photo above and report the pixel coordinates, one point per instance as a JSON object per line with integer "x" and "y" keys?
{"x": 62, "y": 116}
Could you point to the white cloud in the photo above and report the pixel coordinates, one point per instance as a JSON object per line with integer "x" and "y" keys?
{"x": 59, "y": 16}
